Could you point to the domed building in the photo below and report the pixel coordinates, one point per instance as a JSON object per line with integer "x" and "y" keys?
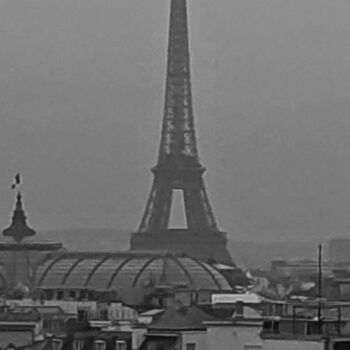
{"x": 46, "y": 270}
{"x": 129, "y": 276}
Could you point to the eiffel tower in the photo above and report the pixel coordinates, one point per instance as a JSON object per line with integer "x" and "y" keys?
{"x": 178, "y": 166}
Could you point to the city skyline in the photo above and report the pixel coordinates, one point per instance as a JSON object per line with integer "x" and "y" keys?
{"x": 82, "y": 89}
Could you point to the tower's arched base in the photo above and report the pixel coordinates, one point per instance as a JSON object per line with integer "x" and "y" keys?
{"x": 202, "y": 245}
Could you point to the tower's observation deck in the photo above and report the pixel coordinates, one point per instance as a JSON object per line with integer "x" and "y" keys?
{"x": 178, "y": 166}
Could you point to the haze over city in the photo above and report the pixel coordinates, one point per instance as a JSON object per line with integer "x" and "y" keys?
{"x": 114, "y": 236}
{"x": 81, "y": 97}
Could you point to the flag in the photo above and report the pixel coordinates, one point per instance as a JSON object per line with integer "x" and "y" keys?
{"x": 17, "y": 181}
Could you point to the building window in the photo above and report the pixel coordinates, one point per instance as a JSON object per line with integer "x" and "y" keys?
{"x": 276, "y": 327}
{"x": 83, "y": 295}
{"x": 57, "y": 344}
{"x": 191, "y": 346}
{"x": 49, "y": 295}
{"x": 78, "y": 344}
{"x": 46, "y": 326}
{"x": 104, "y": 315}
{"x": 152, "y": 346}
{"x": 160, "y": 302}
{"x": 100, "y": 345}
{"x": 83, "y": 315}
{"x": 60, "y": 295}
{"x": 120, "y": 345}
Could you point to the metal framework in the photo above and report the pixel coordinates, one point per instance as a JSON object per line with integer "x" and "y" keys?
{"x": 57, "y": 271}
{"x": 178, "y": 166}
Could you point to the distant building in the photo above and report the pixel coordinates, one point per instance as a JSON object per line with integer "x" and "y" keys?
{"x": 45, "y": 271}
{"x": 304, "y": 334}
{"x": 136, "y": 278}
{"x": 339, "y": 250}
{"x": 181, "y": 328}
{"x": 300, "y": 267}
{"x": 193, "y": 329}
{"x": 91, "y": 340}
{"x": 19, "y": 327}
{"x": 24, "y": 326}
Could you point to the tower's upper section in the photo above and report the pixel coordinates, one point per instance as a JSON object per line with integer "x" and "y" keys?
{"x": 178, "y": 141}
{"x": 18, "y": 228}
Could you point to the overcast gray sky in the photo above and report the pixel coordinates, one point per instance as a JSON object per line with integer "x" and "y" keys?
{"x": 81, "y": 96}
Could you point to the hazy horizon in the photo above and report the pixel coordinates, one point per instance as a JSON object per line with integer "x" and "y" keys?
{"x": 81, "y": 97}
{"x": 246, "y": 254}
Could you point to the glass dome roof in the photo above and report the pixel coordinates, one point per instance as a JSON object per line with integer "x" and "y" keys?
{"x": 127, "y": 270}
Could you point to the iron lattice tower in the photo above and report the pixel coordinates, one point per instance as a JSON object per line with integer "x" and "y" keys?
{"x": 178, "y": 166}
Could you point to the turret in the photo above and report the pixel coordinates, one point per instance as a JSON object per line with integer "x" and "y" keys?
{"x": 19, "y": 228}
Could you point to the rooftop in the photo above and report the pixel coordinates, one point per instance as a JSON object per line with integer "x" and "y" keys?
{"x": 232, "y": 298}
{"x": 191, "y": 318}
{"x": 123, "y": 271}
{"x": 29, "y": 315}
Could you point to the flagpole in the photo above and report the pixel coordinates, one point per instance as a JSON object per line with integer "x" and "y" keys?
{"x": 319, "y": 307}
{"x": 16, "y": 181}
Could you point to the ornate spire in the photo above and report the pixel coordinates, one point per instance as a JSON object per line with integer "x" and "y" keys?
{"x": 18, "y": 228}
